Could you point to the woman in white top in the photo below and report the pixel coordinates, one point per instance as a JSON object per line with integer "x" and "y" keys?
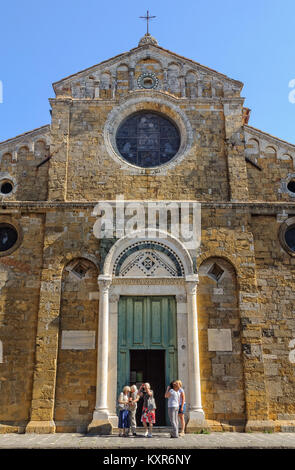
{"x": 173, "y": 395}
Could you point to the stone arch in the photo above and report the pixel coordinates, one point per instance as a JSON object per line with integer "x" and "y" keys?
{"x": 286, "y": 156}
{"x": 191, "y": 84}
{"x": 105, "y": 81}
{"x": 286, "y": 160}
{"x": 76, "y": 360}
{"x": 68, "y": 260}
{"x": 6, "y": 159}
{"x": 40, "y": 148}
{"x": 173, "y": 78}
{"x": 122, "y": 68}
{"x": 122, "y": 79}
{"x": 148, "y": 64}
{"x": 23, "y": 152}
{"x": 270, "y": 151}
{"x": 165, "y": 240}
{"x": 207, "y": 86}
{"x": 219, "y": 254}
{"x": 220, "y": 343}
{"x": 218, "y": 88}
{"x": 252, "y": 147}
{"x": 105, "y": 85}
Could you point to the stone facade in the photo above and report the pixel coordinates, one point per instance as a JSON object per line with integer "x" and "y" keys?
{"x": 240, "y": 279}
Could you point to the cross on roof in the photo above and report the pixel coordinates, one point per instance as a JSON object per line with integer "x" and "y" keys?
{"x": 147, "y": 18}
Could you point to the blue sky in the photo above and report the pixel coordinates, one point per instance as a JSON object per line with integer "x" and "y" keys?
{"x": 43, "y": 41}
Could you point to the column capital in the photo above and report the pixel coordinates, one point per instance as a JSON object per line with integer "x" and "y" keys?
{"x": 104, "y": 282}
{"x": 191, "y": 283}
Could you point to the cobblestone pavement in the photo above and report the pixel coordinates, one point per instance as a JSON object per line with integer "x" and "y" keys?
{"x": 216, "y": 440}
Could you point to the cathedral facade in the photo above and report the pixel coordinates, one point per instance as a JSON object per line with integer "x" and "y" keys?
{"x": 82, "y": 315}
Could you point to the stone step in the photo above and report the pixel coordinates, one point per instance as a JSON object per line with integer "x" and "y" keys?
{"x": 156, "y": 430}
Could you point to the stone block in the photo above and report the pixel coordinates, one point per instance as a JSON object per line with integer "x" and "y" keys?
{"x": 74, "y": 339}
{"x": 219, "y": 339}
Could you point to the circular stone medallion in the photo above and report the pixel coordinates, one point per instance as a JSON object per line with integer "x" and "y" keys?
{"x": 147, "y": 81}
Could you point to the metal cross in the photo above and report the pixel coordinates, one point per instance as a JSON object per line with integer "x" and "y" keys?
{"x": 147, "y": 18}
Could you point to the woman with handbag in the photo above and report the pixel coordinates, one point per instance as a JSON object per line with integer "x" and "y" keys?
{"x": 148, "y": 415}
{"x": 173, "y": 395}
{"x": 123, "y": 404}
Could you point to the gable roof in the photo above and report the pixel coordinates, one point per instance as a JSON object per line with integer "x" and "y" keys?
{"x": 127, "y": 54}
{"x": 34, "y": 132}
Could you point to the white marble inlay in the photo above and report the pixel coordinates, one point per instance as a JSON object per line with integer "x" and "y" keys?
{"x": 75, "y": 339}
{"x": 219, "y": 340}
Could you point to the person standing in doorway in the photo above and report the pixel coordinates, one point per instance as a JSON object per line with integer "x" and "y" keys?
{"x": 173, "y": 395}
{"x": 181, "y": 408}
{"x": 123, "y": 401}
{"x": 148, "y": 415}
{"x": 133, "y": 399}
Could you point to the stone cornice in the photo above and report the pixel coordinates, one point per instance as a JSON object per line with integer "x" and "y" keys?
{"x": 254, "y": 207}
{"x": 26, "y": 135}
{"x": 116, "y": 101}
{"x": 264, "y": 135}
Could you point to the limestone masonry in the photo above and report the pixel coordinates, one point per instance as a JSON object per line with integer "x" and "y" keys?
{"x": 77, "y": 311}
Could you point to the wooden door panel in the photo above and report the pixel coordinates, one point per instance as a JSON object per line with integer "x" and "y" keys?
{"x": 147, "y": 323}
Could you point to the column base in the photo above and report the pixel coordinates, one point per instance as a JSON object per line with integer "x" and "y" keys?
{"x": 260, "y": 425}
{"x": 41, "y": 427}
{"x": 196, "y": 421}
{"x": 12, "y": 427}
{"x": 102, "y": 423}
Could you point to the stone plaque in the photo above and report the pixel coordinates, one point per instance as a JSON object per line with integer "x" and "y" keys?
{"x": 219, "y": 340}
{"x": 74, "y": 339}
{"x": 218, "y": 291}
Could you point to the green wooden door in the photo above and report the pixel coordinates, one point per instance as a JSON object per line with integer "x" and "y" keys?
{"x": 146, "y": 323}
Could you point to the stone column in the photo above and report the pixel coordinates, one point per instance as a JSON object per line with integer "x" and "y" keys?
{"x": 100, "y": 422}
{"x": 196, "y": 413}
{"x": 165, "y": 79}
{"x": 114, "y": 86}
{"x": 235, "y": 148}
{"x": 200, "y": 87}
{"x": 131, "y": 78}
{"x": 182, "y": 86}
{"x": 43, "y": 393}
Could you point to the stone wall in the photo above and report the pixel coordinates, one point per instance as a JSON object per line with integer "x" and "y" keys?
{"x": 270, "y": 166}
{"x": 222, "y": 373}
{"x": 275, "y": 280}
{"x": 19, "y": 305}
{"x": 76, "y": 363}
{"x": 19, "y": 160}
{"x": 84, "y": 170}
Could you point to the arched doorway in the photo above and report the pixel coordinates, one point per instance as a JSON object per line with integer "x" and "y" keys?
{"x": 146, "y": 266}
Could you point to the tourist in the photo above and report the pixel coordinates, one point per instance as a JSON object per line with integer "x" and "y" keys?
{"x": 133, "y": 399}
{"x": 173, "y": 395}
{"x": 123, "y": 401}
{"x": 181, "y": 408}
{"x": 148, "y": 415}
